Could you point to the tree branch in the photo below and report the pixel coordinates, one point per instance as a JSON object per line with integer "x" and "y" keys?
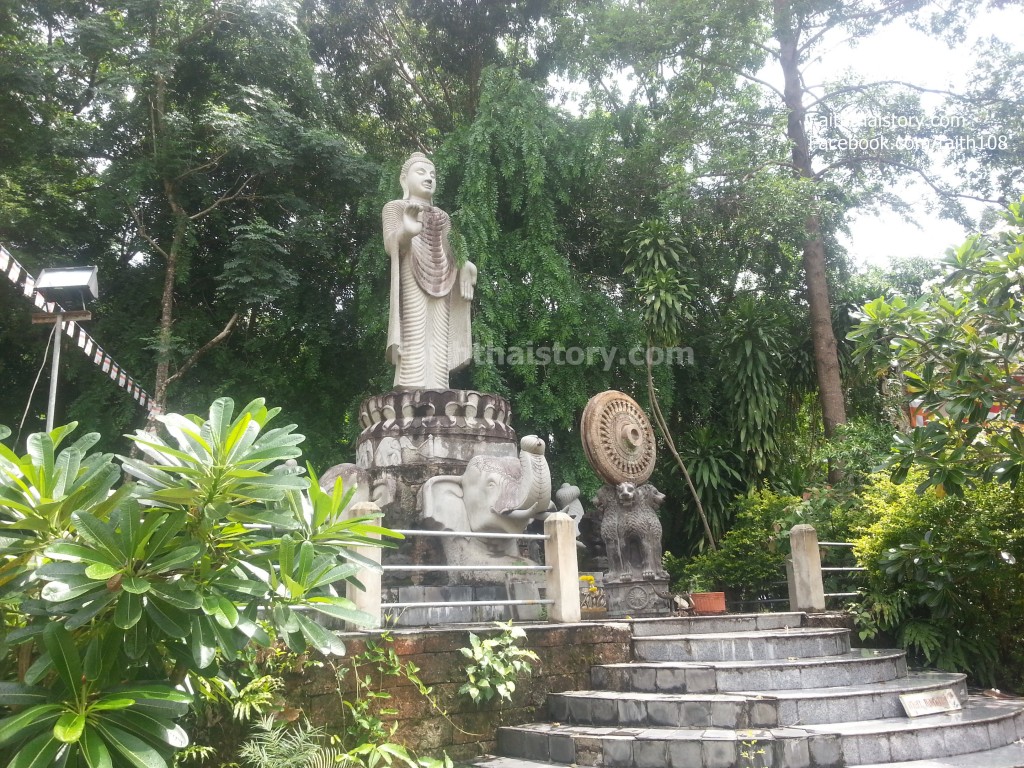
{"x": 225, "y": 332}
{"x": 200, "y": 168}
{"x": 144, "y": 233}
{"x": 878, "y": 83}
{"x": 221, "y": 200}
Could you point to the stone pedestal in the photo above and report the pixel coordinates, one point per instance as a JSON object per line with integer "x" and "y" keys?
{"x": 480, "y": 605}
{"x": 447, "y": 462}
{"x": 410, "y": 436}
{"x": 639, "y": 599}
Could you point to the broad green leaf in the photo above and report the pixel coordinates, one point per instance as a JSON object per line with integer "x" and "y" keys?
{"x": 305, "y": 562}
{"x": 28, "y": 721}
{"x": 66, "y": 550}
{"x": 87, "y": 612}
{"x": 179, "y": 557}
{"x": 204, "y": 642}
{"x": 137, "y": 752}
{"x": 341, "y": 608}
{"x": 128, "y": 611}
{"x": 135, "y": 585}
{"x": 157, "y": 700}
{"x": 319, "y": 637}
{"x": 169, "y": 620}
{"x": 175, "y": 595}
{"x": 40, "y": 450}
{"x": 41, "y": 752}
{"x": 69, "y": 727}
{"x": 64, "y": 656}
{"x": 136, "y": 639}
{"x": 100, "y": 535}
{"x": 101, "y": 571}
{"x": 96, "y": 753}
{"x": 220, "y": 418}
{"x": 109, "y": 703}
{"x": 21, "y": 695}
{"x": 149, "y": 727}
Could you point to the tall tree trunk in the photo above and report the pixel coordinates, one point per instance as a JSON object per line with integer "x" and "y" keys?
{"x": 826, "y": 353}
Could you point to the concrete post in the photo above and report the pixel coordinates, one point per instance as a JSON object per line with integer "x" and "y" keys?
{"x": 803, "y": 570}
{"x": 368, "y": 599}
{"x": 564, "y": 577}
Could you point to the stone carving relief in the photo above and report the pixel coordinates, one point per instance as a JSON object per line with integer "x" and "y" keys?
{"x": 380, "y": 493}
{"x": 618, "y": 438}
{"x": 435, "y": 412}
{"x": 494, "y": 495}
{"x": 567, "y": 499}
{"x": 429, "y": 321}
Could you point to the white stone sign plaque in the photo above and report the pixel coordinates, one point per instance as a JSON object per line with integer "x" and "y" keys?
{"x": 930, "y": 702}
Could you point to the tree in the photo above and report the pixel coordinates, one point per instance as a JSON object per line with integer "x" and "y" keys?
{"x": 957, "y": 350}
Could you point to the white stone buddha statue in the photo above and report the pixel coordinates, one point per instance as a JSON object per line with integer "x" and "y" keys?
{"x": 429, "y": 321}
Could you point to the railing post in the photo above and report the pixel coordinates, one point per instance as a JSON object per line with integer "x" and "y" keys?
{"x": 803, "y": 570}
{"x": 368, "y": 599}
{"x": 564, "y": 577}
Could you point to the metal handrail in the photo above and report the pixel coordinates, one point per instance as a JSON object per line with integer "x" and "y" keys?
{"x": 408, "y": 532}
{"x": 466, "y": 567}
{"x": 464, "y": 604}
{"x": 471, "y": 534}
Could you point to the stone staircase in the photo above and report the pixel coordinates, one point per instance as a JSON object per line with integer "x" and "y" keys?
{"x": 761, "y": 691}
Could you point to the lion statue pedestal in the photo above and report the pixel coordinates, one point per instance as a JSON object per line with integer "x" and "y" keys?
{"x": 619, "y": 443}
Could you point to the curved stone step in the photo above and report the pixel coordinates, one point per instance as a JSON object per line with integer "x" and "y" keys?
{"x": 1011, "y": 756}
{"x": 980, "y": 727}
{"x": 751, "y": 709}
{"x": 733, "y": 622}
{"x": 757, "y": 645}
{"x": 860, "y": 666}
{"x": 491, "y": 761}
{"x": 984, "y": 724}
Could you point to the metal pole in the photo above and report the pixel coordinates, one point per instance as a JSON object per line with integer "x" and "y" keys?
{"x": 52, "y": 406}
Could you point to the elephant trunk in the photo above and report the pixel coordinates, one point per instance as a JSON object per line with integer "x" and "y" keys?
{"x": 533, "y": 496}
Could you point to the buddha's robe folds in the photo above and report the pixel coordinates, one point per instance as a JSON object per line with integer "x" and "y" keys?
{"x": 429, "y": 319}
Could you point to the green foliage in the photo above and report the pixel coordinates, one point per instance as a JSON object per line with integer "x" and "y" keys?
{"x": 749, "y": 563}
{"x": 714, "y": 467}
{"x": 366, "y": 738}
{"x": 115, "y": 597}
{"x": 654, "y": 250}
{"x": 957, "y": 349}
{"x": 943, "y": 576}
{"x": 756, "y": 389}
{"x": 496, "y": 663}
{"x": 274, "y": 744}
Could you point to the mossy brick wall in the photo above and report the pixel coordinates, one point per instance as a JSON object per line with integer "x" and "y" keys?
{"x": 461, "y": 729}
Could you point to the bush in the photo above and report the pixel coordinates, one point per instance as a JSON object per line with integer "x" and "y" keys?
{"x": 749, "y": 563}
{"x": 113, "y": 599}
{"x": 943, "y": 576}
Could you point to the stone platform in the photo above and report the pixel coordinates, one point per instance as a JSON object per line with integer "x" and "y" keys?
{"x": 485, "y": 608}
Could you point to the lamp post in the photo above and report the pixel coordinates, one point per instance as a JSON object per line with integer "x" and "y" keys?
{"x": 66, "y": 287}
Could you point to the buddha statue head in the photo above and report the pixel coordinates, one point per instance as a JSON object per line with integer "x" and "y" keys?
{"x": 418, "y": 177}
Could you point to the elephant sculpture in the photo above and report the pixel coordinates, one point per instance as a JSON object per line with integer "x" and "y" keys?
{"x": 494, "y": 495}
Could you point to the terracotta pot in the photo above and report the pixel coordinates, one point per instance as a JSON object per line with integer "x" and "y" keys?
{"x": 707, "y": 602}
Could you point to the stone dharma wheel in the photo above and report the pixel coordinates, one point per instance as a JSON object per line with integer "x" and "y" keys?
{"x": 618, "y": 438}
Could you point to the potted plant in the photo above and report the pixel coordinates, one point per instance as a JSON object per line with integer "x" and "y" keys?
{"x": 702, "y": 600}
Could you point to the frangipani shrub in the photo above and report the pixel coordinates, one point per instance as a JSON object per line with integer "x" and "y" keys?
{"x": 115, "y": 594}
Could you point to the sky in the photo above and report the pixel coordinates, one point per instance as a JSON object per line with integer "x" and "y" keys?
{"x": 898, "y": 51}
